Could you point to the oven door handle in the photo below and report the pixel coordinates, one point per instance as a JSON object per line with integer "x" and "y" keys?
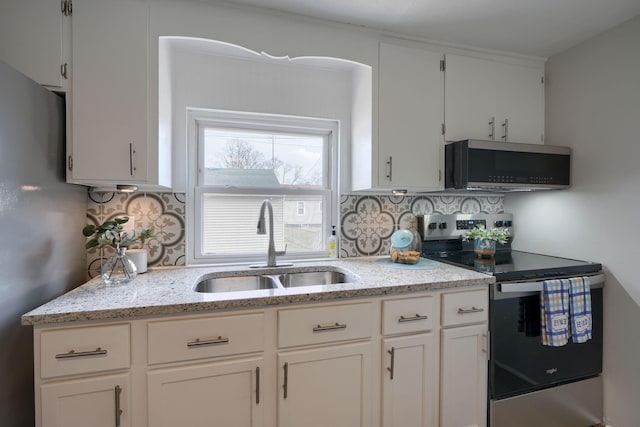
{"x": 596, "y": 281}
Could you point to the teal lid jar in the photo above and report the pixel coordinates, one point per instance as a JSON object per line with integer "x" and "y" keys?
{"x": 406, "y": 247}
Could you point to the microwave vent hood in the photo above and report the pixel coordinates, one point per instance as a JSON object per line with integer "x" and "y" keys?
{"x": 477, "y": 165}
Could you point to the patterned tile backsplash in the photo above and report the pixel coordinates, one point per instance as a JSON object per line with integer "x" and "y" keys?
{"x": 164, "y": 211}
{"x": 366, "y": 222}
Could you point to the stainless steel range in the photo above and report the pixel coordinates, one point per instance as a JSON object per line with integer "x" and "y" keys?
{"x": 530, "y": 384}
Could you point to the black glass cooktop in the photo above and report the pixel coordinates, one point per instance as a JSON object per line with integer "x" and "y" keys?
{"x": 510, "y": 265}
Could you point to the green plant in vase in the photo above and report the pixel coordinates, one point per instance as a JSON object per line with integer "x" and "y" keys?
{"x": 118, "y": 268}
{"x": 484, "y": 239}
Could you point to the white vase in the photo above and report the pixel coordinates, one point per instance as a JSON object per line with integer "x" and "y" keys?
{"x": 139, "y": 258}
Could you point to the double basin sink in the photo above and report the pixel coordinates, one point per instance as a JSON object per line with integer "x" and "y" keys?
{"x": 274, "y": 279}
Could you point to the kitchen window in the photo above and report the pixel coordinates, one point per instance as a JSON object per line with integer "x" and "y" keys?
{"x": 301, "y": 208}
{"x": 240, "y": 159}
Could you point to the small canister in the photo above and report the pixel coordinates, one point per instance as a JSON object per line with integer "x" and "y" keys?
{"x": 405, "y": 247}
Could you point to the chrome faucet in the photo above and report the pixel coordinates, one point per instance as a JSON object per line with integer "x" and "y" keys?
{"x": 271, "y": 251}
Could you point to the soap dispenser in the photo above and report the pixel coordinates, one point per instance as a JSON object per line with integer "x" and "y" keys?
{"x": 332, "y": 243}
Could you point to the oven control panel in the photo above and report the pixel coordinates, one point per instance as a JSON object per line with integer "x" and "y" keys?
{"x": 444, "y": 227}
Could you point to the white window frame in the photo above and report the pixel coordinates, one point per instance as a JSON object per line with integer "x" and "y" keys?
{"x": 197, "y": 118}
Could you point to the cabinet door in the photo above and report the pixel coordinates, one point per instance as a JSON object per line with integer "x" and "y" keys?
{"x": 109, "y": 90}
{"x": 328, "y": 386}
{"x": 96, "y": 402}
{"x": 408, "y": 381}
{"x": 470, "y": 98}
{"x": 31, "y": 39}
{"x": 520, "y": 100}
{"x": 463, "y": 377}
{"x": 221, "y": 394}
{"x": 410, "y": 117}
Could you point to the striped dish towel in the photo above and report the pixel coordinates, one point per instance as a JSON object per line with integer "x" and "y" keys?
{"x": 554, "y": 312}
{"x": 580, "y": 307}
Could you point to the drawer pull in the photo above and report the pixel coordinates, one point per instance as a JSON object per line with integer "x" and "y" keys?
{"x": 412, "y": 319}
{"x": 72, "y": 353}
{"x": 215, "y": 341}
{"x": 328, "y": 328}
{"x": 470, "y": 310}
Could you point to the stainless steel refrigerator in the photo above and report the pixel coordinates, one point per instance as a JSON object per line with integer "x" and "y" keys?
{"x": 41, "y": 217}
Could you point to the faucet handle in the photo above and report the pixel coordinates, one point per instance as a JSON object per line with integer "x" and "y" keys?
{"x": 284, "y": 252}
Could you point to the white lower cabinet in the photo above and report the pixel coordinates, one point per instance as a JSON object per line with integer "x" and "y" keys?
{"x": 224, "y": 393}
{"x": 463, "y": 377}
{"x": 409, "y": 381}
{"x": 103, "y": 401}
{"x": 364, "y": 363}
{"x": 328, "y": 386}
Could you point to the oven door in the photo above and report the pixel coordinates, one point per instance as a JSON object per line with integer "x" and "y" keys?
{"x": 519, "y": 362}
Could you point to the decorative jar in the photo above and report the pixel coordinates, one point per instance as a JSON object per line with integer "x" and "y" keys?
{"x": 406, "y": 247}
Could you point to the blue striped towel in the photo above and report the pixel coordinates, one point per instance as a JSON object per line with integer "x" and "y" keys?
{"x": 580, "y": 307}
{"x": 554, "y": 312}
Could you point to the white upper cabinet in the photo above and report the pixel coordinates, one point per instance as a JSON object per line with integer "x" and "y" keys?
{"x": 409, "y": 153}
{"x": 110, "y": 95}
{"x": 109, "y": 91}
{"x": 490, "y": 100}
{"x": 31, "y": 39}
{"x": 520, "y": 100}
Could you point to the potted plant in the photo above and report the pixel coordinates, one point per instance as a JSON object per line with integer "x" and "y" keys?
{"x": 484, "y": 239}
{"x": 118, "y": 268}
{"x": 139, "y": 254}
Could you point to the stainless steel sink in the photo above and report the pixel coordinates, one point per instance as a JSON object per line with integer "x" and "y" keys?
{"x": 273, "y": 279}
{"x": 235, "y": 284}
{"x": 312, "y": 278}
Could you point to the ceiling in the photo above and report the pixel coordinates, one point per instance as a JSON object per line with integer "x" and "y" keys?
{"x": 529, "y": 27}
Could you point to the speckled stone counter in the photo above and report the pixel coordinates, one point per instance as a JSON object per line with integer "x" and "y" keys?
{"x": 170, "y": 291}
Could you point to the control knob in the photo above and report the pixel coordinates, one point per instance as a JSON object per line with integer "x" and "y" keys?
{"x": 432, "y": 225}
{"x": 442, "y": 226}
{"x": 498, "y": 223}
{"x": 508, "y": 223}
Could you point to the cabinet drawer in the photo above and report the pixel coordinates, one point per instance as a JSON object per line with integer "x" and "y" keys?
{"x": 83, "y": 350}
{"x": 178, "y": 340}
{"x": 317, "y": 325}
{"x": 465, "y": 307}
{"x": 407, "y": 315}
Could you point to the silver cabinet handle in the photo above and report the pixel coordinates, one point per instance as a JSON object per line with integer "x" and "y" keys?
{"x": 390, "y": 163}
{"x": 505, "y": 128}
{"x": 328, "y": 328}
{"x": 285, "y": 386}
{"x": 391, "y": 368}
{"x": 132, "y": 164}
{"x": 485, "y": 342}
{"x": 257, "y": 385}
{"x": 492, "y": 123}
{"x": 412, "y": 319}
{"x": 118, "y": 391}
{"x": 215, "y": 341}
{"x": 72, "y": 353}
{"x": 470, "y": 310}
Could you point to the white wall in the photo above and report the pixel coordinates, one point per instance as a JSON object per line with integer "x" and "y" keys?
{"x": 215, "y": 82}
{"x": 593, "y": 105}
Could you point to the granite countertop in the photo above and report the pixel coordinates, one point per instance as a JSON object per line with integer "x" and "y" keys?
{"x": 170, "y": 291}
